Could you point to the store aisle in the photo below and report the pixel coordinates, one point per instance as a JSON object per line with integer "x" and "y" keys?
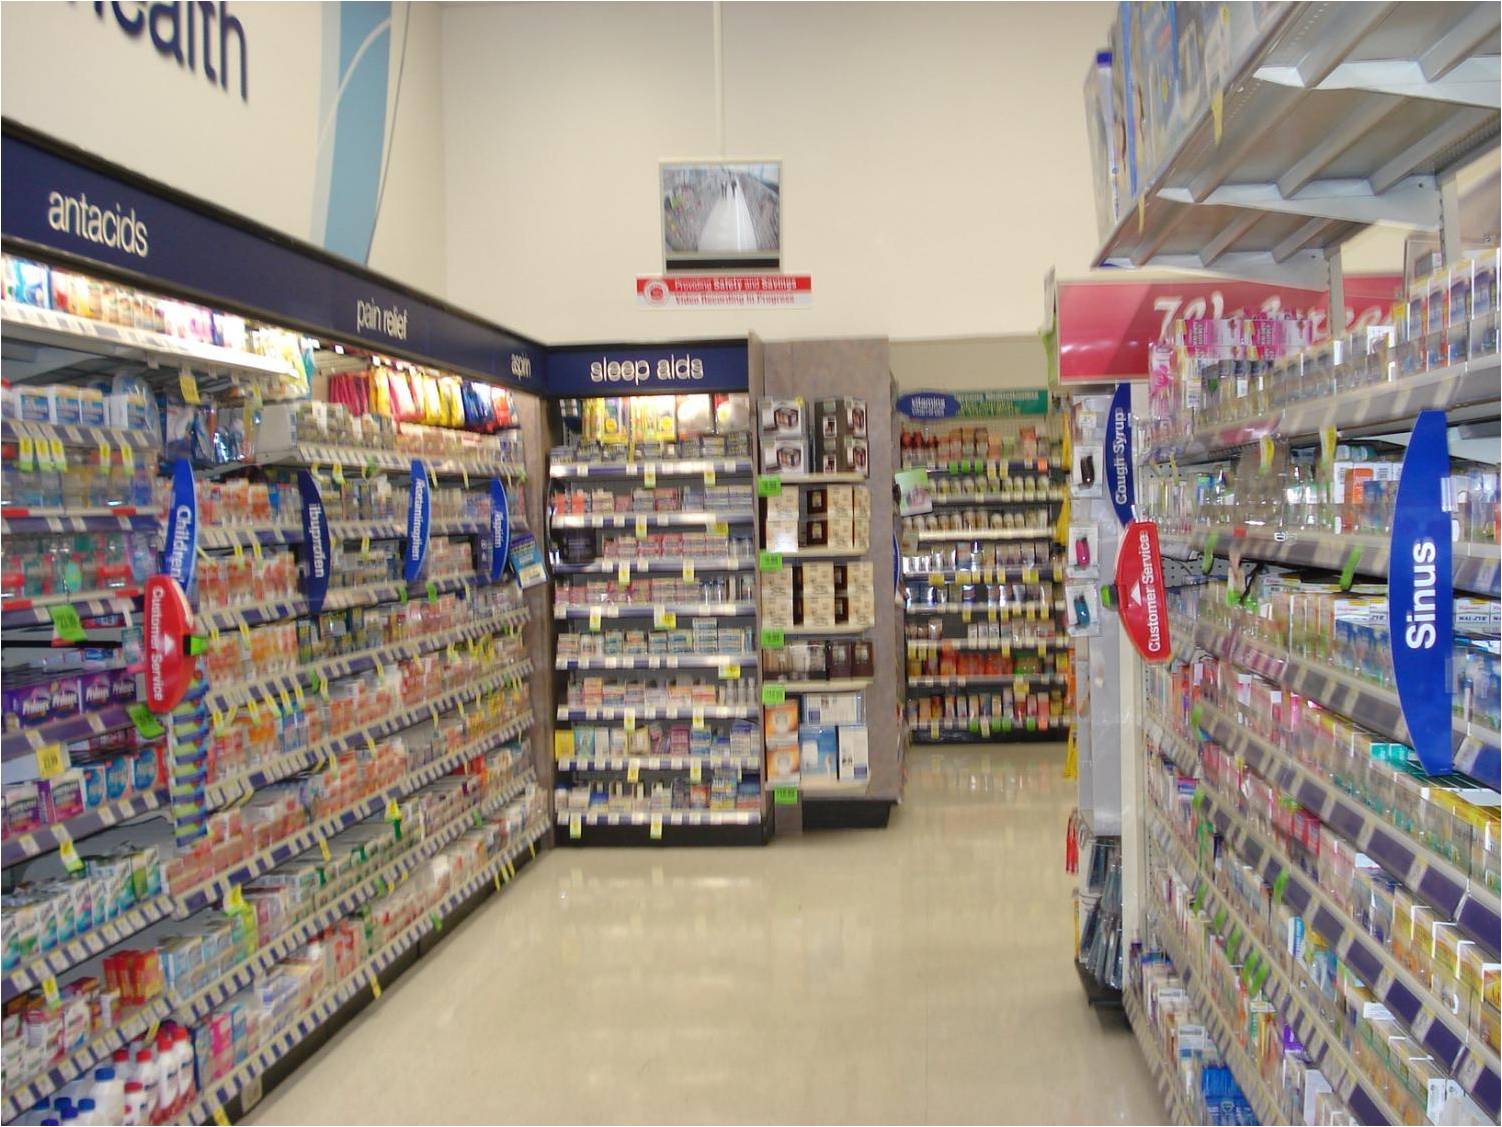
{"x": 729, "y": 225}
{"x": 917, "y": 974}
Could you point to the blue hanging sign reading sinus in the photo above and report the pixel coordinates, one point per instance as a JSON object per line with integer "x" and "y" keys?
{"x": 1121, "y": 486}
{"x": 1420, "y": 597}
{"x": 500, "y": 529}
{"x": 419, "y": 520}
{"x": 181, "y": 552}
{"x": 315, "y": 538}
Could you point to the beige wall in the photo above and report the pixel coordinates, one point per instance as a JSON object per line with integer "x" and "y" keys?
{"x": 970, "y": 363}
{"x": 935, "y": 161}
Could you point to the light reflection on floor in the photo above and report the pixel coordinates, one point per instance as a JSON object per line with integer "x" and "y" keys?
{"x": 915, "y": 974}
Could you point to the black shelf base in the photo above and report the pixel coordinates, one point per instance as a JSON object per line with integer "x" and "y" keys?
{"x": 1100, "y": 996}
{"x": 672, "y": 836}
{"x": 846, "y": 813}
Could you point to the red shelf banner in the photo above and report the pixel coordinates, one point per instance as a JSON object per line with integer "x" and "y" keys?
{"x": 725, "y": 291}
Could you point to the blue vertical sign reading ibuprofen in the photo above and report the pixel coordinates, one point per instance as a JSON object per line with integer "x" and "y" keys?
{"x": 315, "y": 538}
{"x": 500, "y": 529}
{"x": 181, "y": 552}
{"x": 1121, "y": 487}
{"x": 419, "y": 519}
{"x": 1420, "y": 597}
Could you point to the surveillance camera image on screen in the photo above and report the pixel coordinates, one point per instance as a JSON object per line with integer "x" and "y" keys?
{"x": 721, "y": 214}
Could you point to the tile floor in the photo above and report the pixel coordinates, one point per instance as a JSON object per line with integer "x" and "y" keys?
{"x": 918, "y": 974}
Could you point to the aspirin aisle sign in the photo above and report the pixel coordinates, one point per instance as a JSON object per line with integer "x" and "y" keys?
{"x": 725, "y": 291}
{"x": 1419, "y": 593}
{"x": 681, "y": 367}
{"x": 1140, "y": 593}
{"x": 1121, "y": 486}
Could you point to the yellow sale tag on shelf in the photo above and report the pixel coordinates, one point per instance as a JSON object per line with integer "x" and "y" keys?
{"x": 688, "y": 571}
{"x": 623, "y": 573}
{"x": 1327, "y": 441}
{"x": 654, "y": 828}
{"x": 105, "y": 457}
{"x": 730, "y": 671}
{"x": 936, "y": 579}
{"x": 375, "y": 986}
{"x": 991, "y": 614}
{"x": 576, "y": 825}
{"x": 50, "y": 992}
{"x": 187, "y": 383}
{"x": 649, "y": 476}
{"x": 365, "y": 547}
{"x": 628, "y": 719}
{"x": 1019, "y": 686}
{"x": 67, "y": 852}
{"x": 641, "y": 528}
{"x": 664, "y": 619}
{"x": 594, "y": 618}
{"x": 709, "y": 478}
{"x": 220, "y": 1116}
{"x": 1267, "y": 449}
{"x": 24, "y": 454}
{"x": 323, "y": 850}
{"x": 933, "y": 729}
{"x": 699, "y": 719}
{"x": 1141, "y": 212}
{"x": 965, "y": 613}
{"x": 1218, "y": 113}
{"x": 720, "y": 528}
{"x": 52, "y": 760}
{"x": 59, "y": 456}
{"x": 695, "y": 772}
{"x": 339, "y": 474}
{"x": 633, "y": 771}
{"x": 127, "y": 457}
{"x": 234, "y": 899}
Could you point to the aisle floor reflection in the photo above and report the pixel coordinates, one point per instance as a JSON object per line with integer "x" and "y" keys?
{"x": 918, "y": 974}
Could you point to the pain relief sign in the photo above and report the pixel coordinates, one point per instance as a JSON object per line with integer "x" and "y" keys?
{"x": 1140, "y": 592}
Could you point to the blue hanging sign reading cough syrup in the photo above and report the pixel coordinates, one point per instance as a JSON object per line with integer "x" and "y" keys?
{"x": 419, "y": 519}
{"x": 1420, "y": 596}
{"x": 315, "y": 538}
{"x": 500, "y": 529}
{"x": 180, "y": 554}
{"x": 1121, "y": 486}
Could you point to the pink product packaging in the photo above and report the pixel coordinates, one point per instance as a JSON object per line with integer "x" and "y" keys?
{"x": 23, "y": 808}
{"x": 62, "y": 796}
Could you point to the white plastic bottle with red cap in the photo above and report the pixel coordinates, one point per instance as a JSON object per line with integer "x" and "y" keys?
{"x": 168, "y": 1086}
{"x": 148, "y": 1076}
{"x": 187, "y": 1086}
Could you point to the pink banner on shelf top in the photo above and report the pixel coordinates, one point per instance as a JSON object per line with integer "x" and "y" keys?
{"x": 1106, "y": 327}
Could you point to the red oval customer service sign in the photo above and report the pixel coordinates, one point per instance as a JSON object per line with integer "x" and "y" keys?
{"x": 1140, "y": 592}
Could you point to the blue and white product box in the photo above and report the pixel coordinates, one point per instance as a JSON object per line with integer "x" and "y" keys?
{"x": 833, "y": 708}
{"x": 819, "y": 752}
{"x": 855, "y": 758}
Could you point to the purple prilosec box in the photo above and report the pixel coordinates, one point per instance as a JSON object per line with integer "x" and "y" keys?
{"x": 26, "y": 705}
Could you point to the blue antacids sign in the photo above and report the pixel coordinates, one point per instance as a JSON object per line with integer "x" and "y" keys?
{"x": 196, "y": 36}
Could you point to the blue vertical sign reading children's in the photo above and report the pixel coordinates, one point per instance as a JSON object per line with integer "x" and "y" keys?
{"x": 419, "y": 519}
{"x": 181, "y": 552}
{"x": 500, "y": 529}
{"x": 1121, "y": 487}
{"x": 315, "y": 538}
{"x": 1420, "y": 595}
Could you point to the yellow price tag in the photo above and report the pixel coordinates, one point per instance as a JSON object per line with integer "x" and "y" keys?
{"x": 66, "y": 850}
{"x": 51, "y": 993}
{"x": 24, "y": 454}
{"x": 375, "y": 986}
{"x": 688, "y": 571}
{"x": 1019, "y": 686}
{"x": 1327, "y": 442}
{"x": 936, "y": 579}
{"x": 1218, "y": 113}
{"x": 731, "y": 671}
{"x": 628, "y": 719}
{"x": 641, "y": 528}
{"x": 128, "y": 457}
{"x": 594, "y": 618}
{"x": 323, "y": 850}
{"x": 664, "y": 619}
{"x": 370, "y": 744}
{"x": 1266, "y": 449}
{"x": 339, "y": 474}
{"x": 220, "y": 1116}
{"x": 933, "y": 729}
{"x": 991, "y": 614}
{"x": 695, "y": 772}
{"x": 105, "y": 457}
{"x": 234, "y": 899}
{"x": 623, "y": 573}
{"x": 576, "y": 826}
{"x": 699, "y": 718}
{"x": 365, "y": 547}
{"x": 965, "y": 613}
{"x": 720, "y": 528}
{"x": 709, "y": 477}
{"x": 654, "y": 827}
{"x": 52, "y": 759}
{"x": 649, "y": 476}
{"x": 59, "y": 456}
{"x": 633, "y": 771}
{"x": 187, "y": 383}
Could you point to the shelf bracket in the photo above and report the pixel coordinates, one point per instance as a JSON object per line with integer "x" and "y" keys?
{"x": 1413, "y": 202}
{"x": 1470, "y": 82}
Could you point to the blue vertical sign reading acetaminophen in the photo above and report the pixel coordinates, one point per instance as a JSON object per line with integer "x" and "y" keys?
{"x": 1121, "y": 486}
{"x": 315, "y": 539}
{"x": 500, "y": 529}
{"x": 419, "y": 520}
{"x": 180, "y": 553}
{"x": 1420, "y": 596}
